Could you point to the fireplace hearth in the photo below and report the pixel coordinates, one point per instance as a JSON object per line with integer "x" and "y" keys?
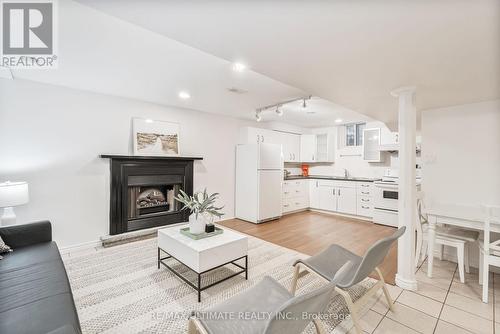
{"x": 143, "y": 190}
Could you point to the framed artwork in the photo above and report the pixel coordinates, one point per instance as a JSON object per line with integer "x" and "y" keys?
{"x": 155, "y": 137}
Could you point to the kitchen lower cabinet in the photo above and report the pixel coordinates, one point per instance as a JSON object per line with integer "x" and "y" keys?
{"x": 295, "y": 195}
{"x": 314, "y": 195}
{"x": 327, "y": 198}
{"x": 346, "y": 200}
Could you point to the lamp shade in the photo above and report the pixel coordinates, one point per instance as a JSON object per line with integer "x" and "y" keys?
{"x": 13, "y": 194}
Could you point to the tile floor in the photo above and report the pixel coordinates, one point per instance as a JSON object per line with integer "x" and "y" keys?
{"x": 442, "y": 305}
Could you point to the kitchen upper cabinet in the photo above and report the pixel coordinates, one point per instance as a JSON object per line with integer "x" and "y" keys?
{"x": 258, "y": 135}
{"x": 325, "y": 147}
{"x": 308, "y": 148}
{"x": 346, "y": 200}
{"x": 291, "y": 146}
{"x": 317, "y": 148}
{"x": 314, "y": 195}
{"x": 371, "y": 145}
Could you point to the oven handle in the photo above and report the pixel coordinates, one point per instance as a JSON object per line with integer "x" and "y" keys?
{"x": 387, "y": 186}
{"x": 388, "y": 210}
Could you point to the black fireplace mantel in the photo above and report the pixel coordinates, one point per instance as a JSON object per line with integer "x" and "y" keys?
{"x": 144, "y": 157}
{"x": 130, "y": 170}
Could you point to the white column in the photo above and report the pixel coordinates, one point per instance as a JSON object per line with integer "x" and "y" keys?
{"x": 405, "y": 277}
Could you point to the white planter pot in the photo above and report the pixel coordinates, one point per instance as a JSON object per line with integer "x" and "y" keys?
{"x": 197, "y": 226}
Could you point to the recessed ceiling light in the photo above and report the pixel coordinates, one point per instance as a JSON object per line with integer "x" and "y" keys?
{"x": 184, "y": 95}
{"x": 338, "y": 120}
{"x": 149, "y": 120}
{"x": 239, "y": 67}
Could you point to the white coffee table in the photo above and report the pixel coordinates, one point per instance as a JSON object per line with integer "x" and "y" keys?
{"x": 204, "y": 255}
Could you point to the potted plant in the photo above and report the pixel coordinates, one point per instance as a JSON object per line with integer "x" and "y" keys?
{"x": 202, "y": 208}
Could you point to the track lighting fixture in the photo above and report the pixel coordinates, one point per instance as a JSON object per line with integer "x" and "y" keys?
{"x": 278, "y": 107}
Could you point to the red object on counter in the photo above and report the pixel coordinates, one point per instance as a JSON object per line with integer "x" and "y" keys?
{"x": 305, "y": 170}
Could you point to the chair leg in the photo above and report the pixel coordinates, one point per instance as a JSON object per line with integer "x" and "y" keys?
{"x": 195, "y": 327}
{"x": 319, "y": 327}
{"x": 460, "y": 258}
{"x": 486, "y": 269}
{"x": 295, "y": 278}
{"x": 467, "y": 266}
{"x": 192, "y": 327}
{"x": 480, "y": 267}
{"x": 352, "y": 310}
{"x": 441, "y": 251}
{"x": 424, "y": 250}
{"x": 390, "y": 303}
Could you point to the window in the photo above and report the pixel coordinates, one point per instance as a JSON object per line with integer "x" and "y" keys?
{"x": 354, "y": 134}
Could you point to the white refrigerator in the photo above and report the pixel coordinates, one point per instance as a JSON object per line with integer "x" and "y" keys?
{"x": 259, "y": 179}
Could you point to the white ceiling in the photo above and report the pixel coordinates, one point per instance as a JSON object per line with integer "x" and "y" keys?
{"x": 317, "y": 114}
{"x": 104, "y": 54}
{"x": 350, "y": 52}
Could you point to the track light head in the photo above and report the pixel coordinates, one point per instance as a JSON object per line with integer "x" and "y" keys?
{"x": 304, "y": 104}
{"x": 279, "y": 111}
{"x": 258, "y": 118}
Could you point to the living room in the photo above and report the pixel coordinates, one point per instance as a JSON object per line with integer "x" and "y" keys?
{"x": 84, "y": 133}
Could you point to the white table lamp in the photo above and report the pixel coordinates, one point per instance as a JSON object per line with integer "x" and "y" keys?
{"x": 12, "y": 194}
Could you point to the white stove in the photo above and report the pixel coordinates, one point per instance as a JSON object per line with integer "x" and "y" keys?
{"x": 386, "y": 196}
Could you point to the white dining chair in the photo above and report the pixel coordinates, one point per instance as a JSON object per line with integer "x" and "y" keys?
{"x": 489, "y": 252}
{"x": 445, "y": 236}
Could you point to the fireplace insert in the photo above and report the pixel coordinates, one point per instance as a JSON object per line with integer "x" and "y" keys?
{"x": 143, "y": 190}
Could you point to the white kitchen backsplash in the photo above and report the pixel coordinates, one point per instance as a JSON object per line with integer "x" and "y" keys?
{"x": 354, "y": 165}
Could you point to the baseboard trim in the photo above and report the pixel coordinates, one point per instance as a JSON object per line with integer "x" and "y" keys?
{"x": 81, "y": 246}
{"x": 405, "y": 283}
{"x": 333, "y": 213}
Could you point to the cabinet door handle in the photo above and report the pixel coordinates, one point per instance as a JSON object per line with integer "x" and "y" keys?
{"x": 365, "y": 200}
{"x": 339, "y": 192}
{"x": 364, "y": 207}
{"x": 365, "y": 185}
{"x": 263, "y": 138}
{"x": 313, "y": 157}
{"x": 364, "y": 192}
{"x": 286, "y": 205}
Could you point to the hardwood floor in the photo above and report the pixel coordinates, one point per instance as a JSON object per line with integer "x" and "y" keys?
{"x": 310, "y": 232}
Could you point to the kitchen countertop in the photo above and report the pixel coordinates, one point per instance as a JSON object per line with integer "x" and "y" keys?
{"x": 336, "y": 178}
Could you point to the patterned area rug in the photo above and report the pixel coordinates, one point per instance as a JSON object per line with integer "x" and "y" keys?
{"x": 120, "y": 289}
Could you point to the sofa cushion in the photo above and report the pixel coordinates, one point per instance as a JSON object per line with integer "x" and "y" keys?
{"x": 41, "y": 316}
{"x": 30, "y": 255}
{"x": 28, "y": 284}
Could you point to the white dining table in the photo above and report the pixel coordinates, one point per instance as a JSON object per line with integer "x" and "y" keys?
{"x": 468, "y": 217}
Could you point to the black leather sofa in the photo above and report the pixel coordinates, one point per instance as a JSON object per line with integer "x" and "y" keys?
{"x": 35, "y": 295}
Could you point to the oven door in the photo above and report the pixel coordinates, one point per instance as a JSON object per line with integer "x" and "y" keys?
{"x": 386, "y": 197}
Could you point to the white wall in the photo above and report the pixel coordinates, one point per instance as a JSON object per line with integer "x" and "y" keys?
{"x": 52, "y": 136}
{"x": 461, "y": 153}
{"x": 461, "y": 157}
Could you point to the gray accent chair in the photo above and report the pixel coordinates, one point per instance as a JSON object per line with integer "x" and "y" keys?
{"x": 270, "y": 308}
{"x": 326, "y": 264}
